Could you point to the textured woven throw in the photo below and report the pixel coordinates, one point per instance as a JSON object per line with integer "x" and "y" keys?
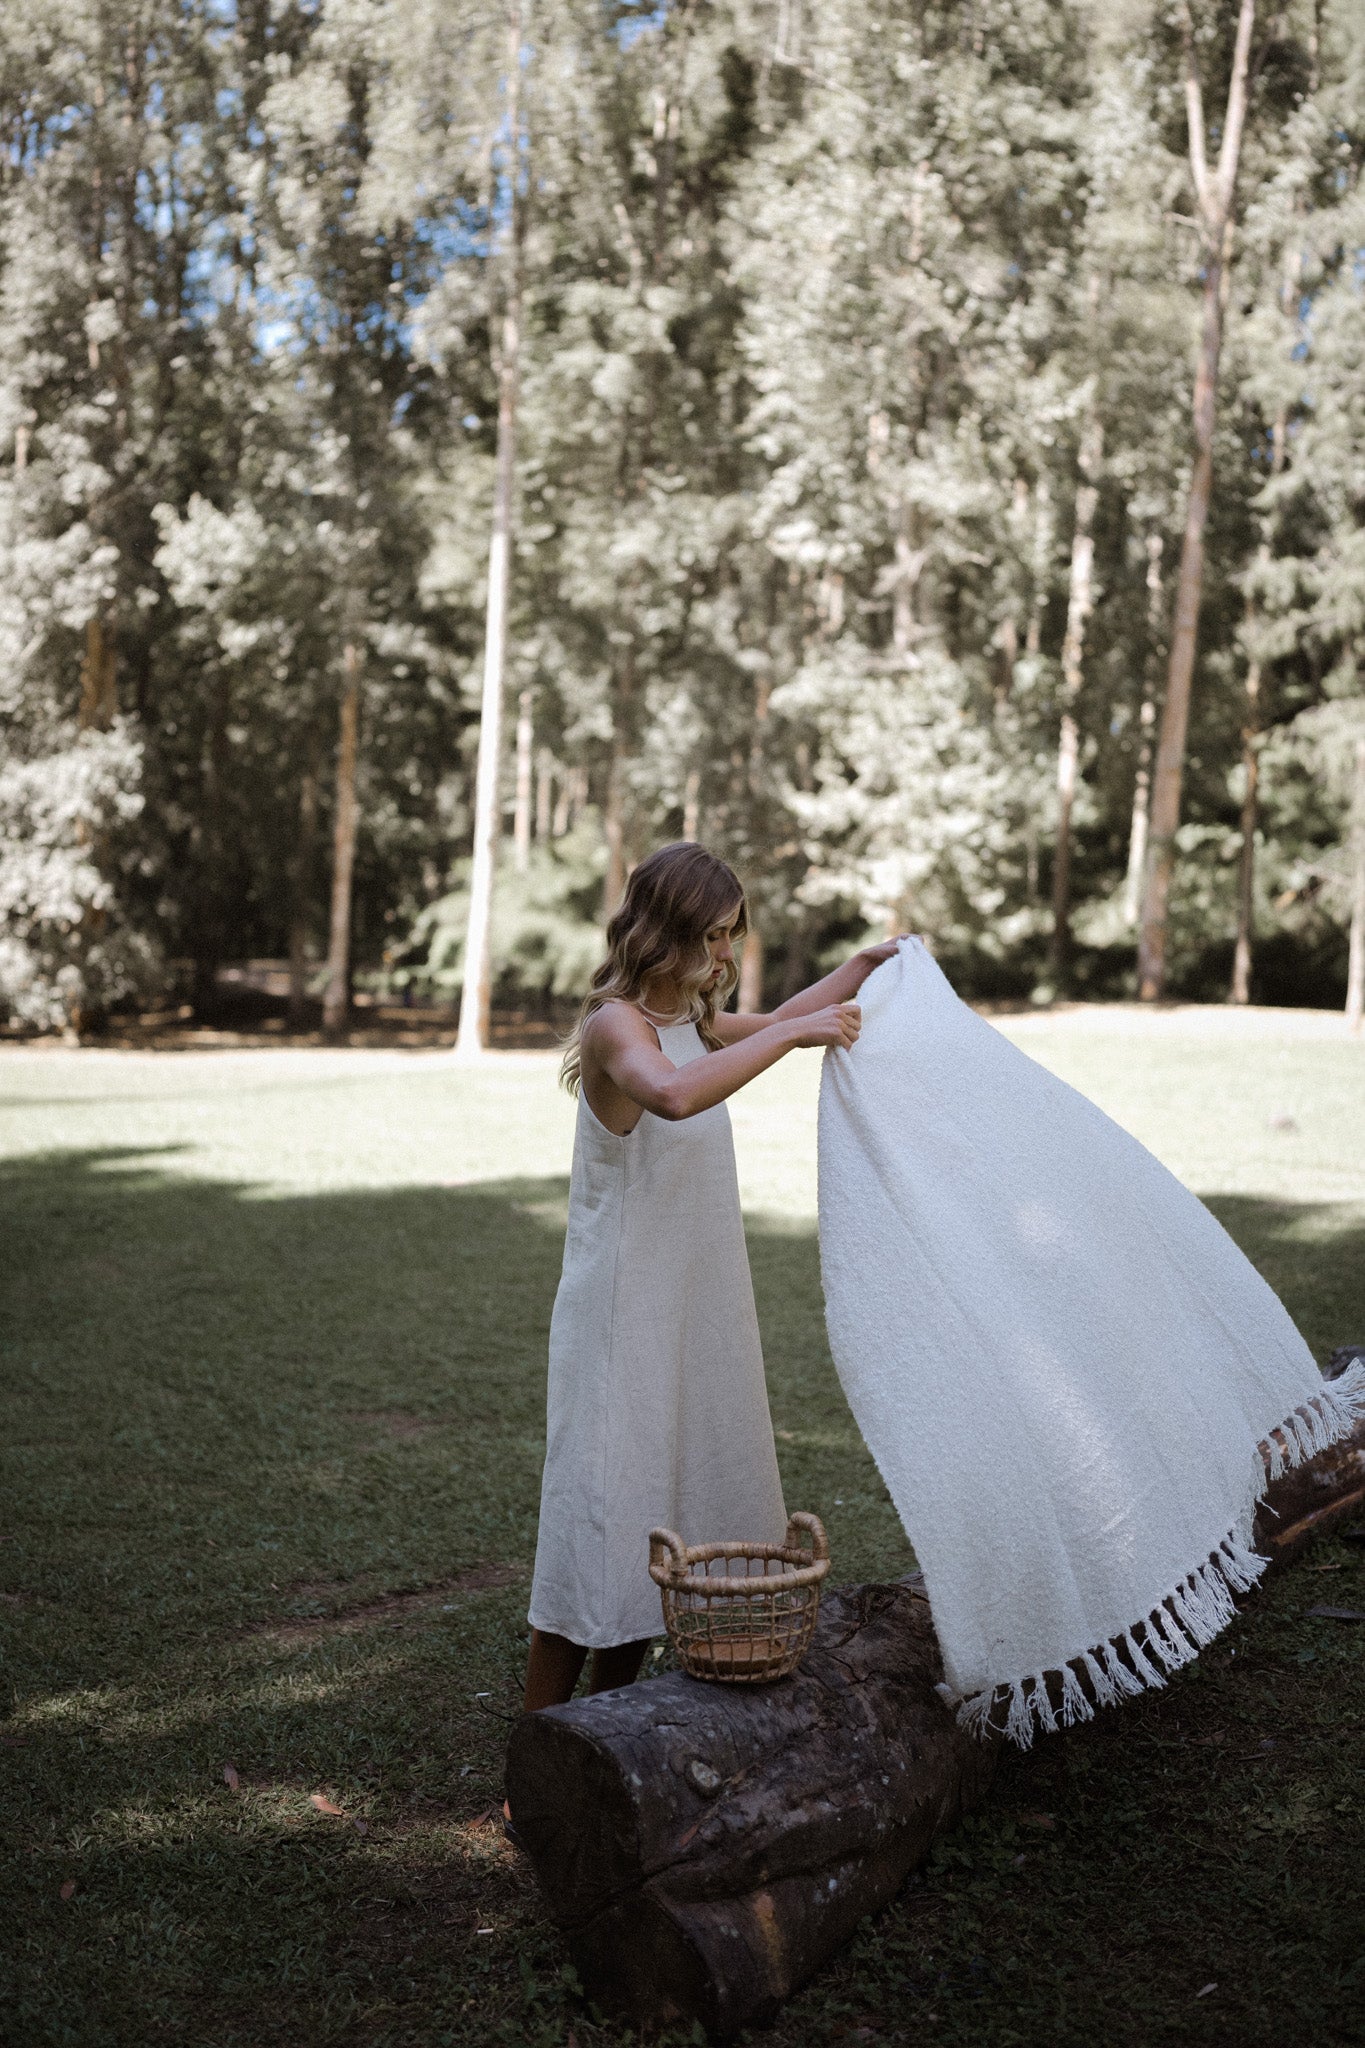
{"x": 1075, "y": 1385}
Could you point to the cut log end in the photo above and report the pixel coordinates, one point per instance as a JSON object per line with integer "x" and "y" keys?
{"x": 705, "y": 1847}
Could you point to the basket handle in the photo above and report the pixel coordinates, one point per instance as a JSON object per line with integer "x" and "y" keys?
{"x": 815, "y": 1529}
{"x": 667, "y": 1555}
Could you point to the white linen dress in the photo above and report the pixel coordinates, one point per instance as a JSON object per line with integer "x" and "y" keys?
{"x": 657, "y": 1409}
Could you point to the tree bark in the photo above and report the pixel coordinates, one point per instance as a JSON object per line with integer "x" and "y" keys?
{"x": 704, "y": 1848}
{"x": 1355, "y": 969}
{"x": 336, "y": 1005}
{"x": 1073, "y": 650}
{"x": 476, "y": 994}
{"x": 1214, "y": 194}
{"x": 99, "y": 678}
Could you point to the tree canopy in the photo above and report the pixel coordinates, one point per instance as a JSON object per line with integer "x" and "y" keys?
{"x": 855, "y": 361}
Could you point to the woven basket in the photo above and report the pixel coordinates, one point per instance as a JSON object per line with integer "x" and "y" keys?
{"x": 743, "y": 1613}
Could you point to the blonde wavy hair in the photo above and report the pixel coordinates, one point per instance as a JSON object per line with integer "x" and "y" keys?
{"x": 672, "y": 901}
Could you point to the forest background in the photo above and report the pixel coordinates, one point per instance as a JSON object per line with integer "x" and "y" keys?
{"x": 917, "y": 448}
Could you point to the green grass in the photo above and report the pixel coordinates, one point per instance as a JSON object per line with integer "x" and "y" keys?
{"x": 273, "y": 1371}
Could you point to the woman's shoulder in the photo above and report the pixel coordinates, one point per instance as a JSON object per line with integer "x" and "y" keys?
{"x": 618, "y": 1019}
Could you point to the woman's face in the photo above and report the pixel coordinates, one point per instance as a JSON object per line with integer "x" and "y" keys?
{"x": 719, "y": 947}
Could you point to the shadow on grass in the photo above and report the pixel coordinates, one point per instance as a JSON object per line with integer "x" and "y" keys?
{"x": 225, "y": 1410}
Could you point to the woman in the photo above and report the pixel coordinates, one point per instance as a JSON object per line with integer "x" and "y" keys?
{"x": 657, "y": 1408}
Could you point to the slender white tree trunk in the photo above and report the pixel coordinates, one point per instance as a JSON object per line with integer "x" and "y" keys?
{"x": 1142, "y": 781}
{"x": 1079, "y": 598}
{"x": 1355, "y": 970}
{"x": 545, "y": 794}
{"x": 336, "y": 1004}
{"x": 691, "y": 824}
{"x": 476, "y": 995}
{"x": 521, "y": 821}
{"x": 1239, "y": 990}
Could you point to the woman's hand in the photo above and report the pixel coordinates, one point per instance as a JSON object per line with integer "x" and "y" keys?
{"x": 837, "y": 1025}
{"x": 875, "y": 956}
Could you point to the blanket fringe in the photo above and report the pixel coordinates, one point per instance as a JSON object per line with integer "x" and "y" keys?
{"x": 1186, "y": 1619}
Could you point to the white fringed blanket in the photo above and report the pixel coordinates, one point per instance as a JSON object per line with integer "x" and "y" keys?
{"x": 1062, "y": 1364}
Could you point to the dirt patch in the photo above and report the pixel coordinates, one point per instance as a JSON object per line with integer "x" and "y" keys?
{"x": 385, "y": 1609}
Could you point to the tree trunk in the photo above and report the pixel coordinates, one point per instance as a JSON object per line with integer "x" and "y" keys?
{"x": 336, "y": 1005}
{"x": 1214, "y": 194}
{"x": 614, "y": 828}
{"x": 1142, "y": 780}
{"x": 1355, "y": 970}
{"x": 1240, "y": 990}
{"x": 751, "y": 963}
{"x": 691, "y": 818}
{"x": 1073, "y": 650}
{"x": 99, "y": 678}
{"x": 751, "y": 970}
{"x": 476, "y": 994}
{"x": 704, "y": 1847}
{"x": 562, "y": 818}
{"x": 521, "y": 816}
{"x": 302, "y": 890}
{"x": 545, "y": 795}
{"x": 1042, "y": 563}
{"x": 1175, "y": 718}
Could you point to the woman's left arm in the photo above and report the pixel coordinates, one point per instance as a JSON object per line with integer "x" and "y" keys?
{"x": 839, "y": 987}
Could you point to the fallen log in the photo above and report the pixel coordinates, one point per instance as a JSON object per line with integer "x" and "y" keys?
{"x": 705, "y": 1848}
{"x": 1319, "y": 1495}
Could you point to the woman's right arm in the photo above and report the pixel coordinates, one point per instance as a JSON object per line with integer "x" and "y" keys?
{"x": 625, "y": 1048}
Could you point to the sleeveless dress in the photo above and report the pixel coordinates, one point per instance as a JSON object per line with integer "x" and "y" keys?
{"x": 657, "y": 1409}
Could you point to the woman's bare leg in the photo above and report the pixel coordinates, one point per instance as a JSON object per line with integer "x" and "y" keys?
{"x": 618, "y": 1666}
{"x": 552, "y": 1670}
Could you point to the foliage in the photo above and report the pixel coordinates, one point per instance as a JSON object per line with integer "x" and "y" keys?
{"x": 546, "y": 936}
{"x": 821, "y": 305}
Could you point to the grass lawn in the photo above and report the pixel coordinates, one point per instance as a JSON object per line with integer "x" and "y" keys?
{"x": 273, "y": 1377}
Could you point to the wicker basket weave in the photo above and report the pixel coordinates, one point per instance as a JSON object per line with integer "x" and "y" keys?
{"x": 742, "y": 1613}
